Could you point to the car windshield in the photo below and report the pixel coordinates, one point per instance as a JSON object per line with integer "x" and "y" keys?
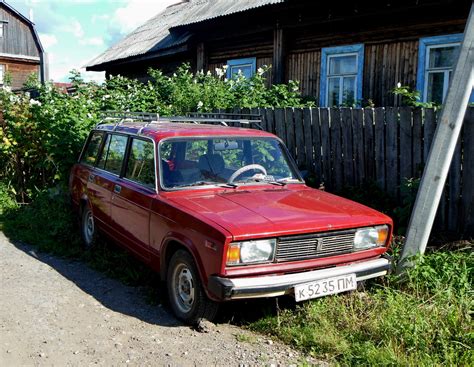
{"x": 224, "y": 161}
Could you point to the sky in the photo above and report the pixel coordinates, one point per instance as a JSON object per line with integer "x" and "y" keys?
{"x": 73, "y": 32}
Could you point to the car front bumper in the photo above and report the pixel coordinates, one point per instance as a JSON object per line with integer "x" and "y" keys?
{"x": 277, "y": 285}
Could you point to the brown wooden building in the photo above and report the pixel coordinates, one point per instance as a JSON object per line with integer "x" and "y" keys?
{"x": 342, "y": 52}
{"x": 21, "y": 53}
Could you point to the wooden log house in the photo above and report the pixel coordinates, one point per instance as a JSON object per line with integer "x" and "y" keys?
{"x": 344, "y": 53}
{"x": 21, "y": 52}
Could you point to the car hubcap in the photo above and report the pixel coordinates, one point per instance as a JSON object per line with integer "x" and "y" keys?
{"x": 89, "y": 228}
{"x": 184, "y": 288}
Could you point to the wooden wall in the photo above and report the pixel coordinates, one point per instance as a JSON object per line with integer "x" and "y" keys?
{"x": 17, "y": 38}
{"x": 19, "y": 71}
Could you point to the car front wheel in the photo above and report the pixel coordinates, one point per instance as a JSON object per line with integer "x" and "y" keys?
{"x": 187, "y": 297}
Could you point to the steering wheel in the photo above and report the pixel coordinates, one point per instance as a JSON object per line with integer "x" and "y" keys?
{"x": 245, "y": 169}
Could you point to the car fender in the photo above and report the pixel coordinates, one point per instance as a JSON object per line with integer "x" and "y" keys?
{"x": 188, "y": 245}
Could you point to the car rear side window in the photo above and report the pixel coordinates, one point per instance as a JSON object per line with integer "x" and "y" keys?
{"x": 114, "y": 152}
{"x": 91, "y": 152}
{"x": 141, "y": 163}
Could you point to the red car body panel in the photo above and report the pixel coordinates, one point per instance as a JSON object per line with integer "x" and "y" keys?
{"x": 206, "y": 221}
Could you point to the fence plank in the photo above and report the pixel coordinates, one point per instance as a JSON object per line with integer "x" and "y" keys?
{"x": 336, "y": 148}
{"x": 380, "y": 147}
{"x": 290, "y": 130}
{"x": 429, "y": 127}
{"x": 299, "y": 137}
{"x": 255, "y": 111}
{"x": 269, "y": 120}
{"x": 317, "y": 144}
{"x": 406, "y": 154}
{"x": 417, "y": 139}
{"x": 391, "y": 151}
{"x": 468, "y": 175}
{"x": 454, "y": 191}
{"x": 358, "y": 145}
{"x": 369, "y": 144}
{"x": 280, "y": 124}
{"x": 347, "y": 149}
{"x": 311, "y": 161}
{"x": 325, "y": 126}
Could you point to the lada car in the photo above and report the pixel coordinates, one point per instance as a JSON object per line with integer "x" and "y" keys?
{"x": 222, "y": 213}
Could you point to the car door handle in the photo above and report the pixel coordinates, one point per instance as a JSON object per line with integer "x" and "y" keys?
{"x": 117, "y": 189}
{"x": 91, "y": 178}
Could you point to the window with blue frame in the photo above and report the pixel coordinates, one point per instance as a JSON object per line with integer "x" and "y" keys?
{"x": 246, "y": 66}
{"x": 436, "y": 60}
{"x": 341, "y": 75}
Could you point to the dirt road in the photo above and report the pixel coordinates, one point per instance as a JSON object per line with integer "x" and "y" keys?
{"x": 58, "y": 312}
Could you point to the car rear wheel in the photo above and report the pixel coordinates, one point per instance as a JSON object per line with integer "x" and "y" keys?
{"x": 187, "y": 297}
{"x": 88, "y": 228}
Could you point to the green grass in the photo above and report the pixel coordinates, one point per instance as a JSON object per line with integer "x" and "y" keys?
{"x": 423, "y": 320}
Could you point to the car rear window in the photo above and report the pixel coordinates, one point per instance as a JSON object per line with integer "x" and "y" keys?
{"x": 141, "y": 163}
{"x": 91, "y": 152}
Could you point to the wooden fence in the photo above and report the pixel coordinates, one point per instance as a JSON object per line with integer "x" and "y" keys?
{"x": 350, "y": 147}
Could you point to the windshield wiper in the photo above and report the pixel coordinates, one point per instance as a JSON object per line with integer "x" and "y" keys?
{"x": 197, "y": 183}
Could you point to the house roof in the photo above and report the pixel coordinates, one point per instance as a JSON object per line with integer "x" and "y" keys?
{"x": 27, "y": 21}
{"x": 164, "y": 31}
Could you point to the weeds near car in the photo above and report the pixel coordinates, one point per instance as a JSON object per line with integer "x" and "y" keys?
{"x": 424, "y": 319}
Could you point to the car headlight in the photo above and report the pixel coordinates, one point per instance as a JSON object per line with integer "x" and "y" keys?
{"x": 371, "y": 237}
{"x": 251, "y": 252}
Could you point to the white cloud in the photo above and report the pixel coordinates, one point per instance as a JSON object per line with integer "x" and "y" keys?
{"x": 73, "y": 27}
{"x": 92, "y": 41}
{"x": 136, "y": 12}
{"x": 48, "y": 40}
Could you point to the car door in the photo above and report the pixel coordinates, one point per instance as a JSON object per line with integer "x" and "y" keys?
{"x": 132, "y": 196}
{"x": 101, "y": 180}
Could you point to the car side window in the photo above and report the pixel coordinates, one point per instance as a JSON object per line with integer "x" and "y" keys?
{"x": 91, "y": 152}
{"x": 141, "y": 163}
{"x": 113, "y": 154}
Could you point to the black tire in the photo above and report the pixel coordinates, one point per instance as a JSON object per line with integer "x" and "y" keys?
{"x": 88, "y": 228}
{"x": 187, "y": 298}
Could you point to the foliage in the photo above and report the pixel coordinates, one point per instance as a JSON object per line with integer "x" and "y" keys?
{"x": 408, "y": 190}
{"x": 7, "y": 200}
{"x": 411, "y": 97}
{"x": 422, "y": 320}
{"x": 42, "y": 136}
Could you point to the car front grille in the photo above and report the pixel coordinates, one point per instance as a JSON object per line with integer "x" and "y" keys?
{"x": 314, "y": 245}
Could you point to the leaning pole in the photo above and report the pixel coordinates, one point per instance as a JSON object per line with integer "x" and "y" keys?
{"x": 442, "y": 150}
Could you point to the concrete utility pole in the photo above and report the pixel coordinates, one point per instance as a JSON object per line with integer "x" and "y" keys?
{"x": 442, "y": 149}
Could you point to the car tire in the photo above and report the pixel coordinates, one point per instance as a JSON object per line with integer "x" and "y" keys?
{"x": 187, "y": 298}
{"x": 88, "y": 228}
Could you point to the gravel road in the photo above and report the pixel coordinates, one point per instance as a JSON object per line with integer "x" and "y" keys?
{"x": 54, "y": 312}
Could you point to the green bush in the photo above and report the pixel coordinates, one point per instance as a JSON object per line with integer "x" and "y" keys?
{"x": 42, "y": 136}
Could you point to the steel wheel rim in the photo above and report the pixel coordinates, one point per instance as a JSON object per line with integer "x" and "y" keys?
{"x": 183, "y": 288}
{"x": 89, "y": 228}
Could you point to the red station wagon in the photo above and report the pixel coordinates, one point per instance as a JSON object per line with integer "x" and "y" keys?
{"x": 221, "y": 213}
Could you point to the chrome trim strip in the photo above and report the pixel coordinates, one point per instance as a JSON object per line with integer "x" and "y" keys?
{"x": 241, "y": 284}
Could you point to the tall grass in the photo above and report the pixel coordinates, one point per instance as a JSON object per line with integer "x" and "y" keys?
{"x": 423, "y": 320}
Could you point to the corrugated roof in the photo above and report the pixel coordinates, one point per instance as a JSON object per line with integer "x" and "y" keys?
{"x": 158, "y": 33}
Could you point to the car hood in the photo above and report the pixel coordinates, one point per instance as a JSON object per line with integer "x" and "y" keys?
{"x": 279, "y": 211}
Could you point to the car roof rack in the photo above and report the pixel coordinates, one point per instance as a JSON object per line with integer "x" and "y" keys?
{"x": 148, "y": 118}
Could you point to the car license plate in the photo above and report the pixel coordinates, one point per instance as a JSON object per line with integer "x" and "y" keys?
{"x": 325, "y": 287}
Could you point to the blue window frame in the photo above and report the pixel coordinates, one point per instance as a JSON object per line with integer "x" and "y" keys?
{"x": 341, "y": 75}
{"x": 247, "y": 66}
{"x": 437, "y": 57}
